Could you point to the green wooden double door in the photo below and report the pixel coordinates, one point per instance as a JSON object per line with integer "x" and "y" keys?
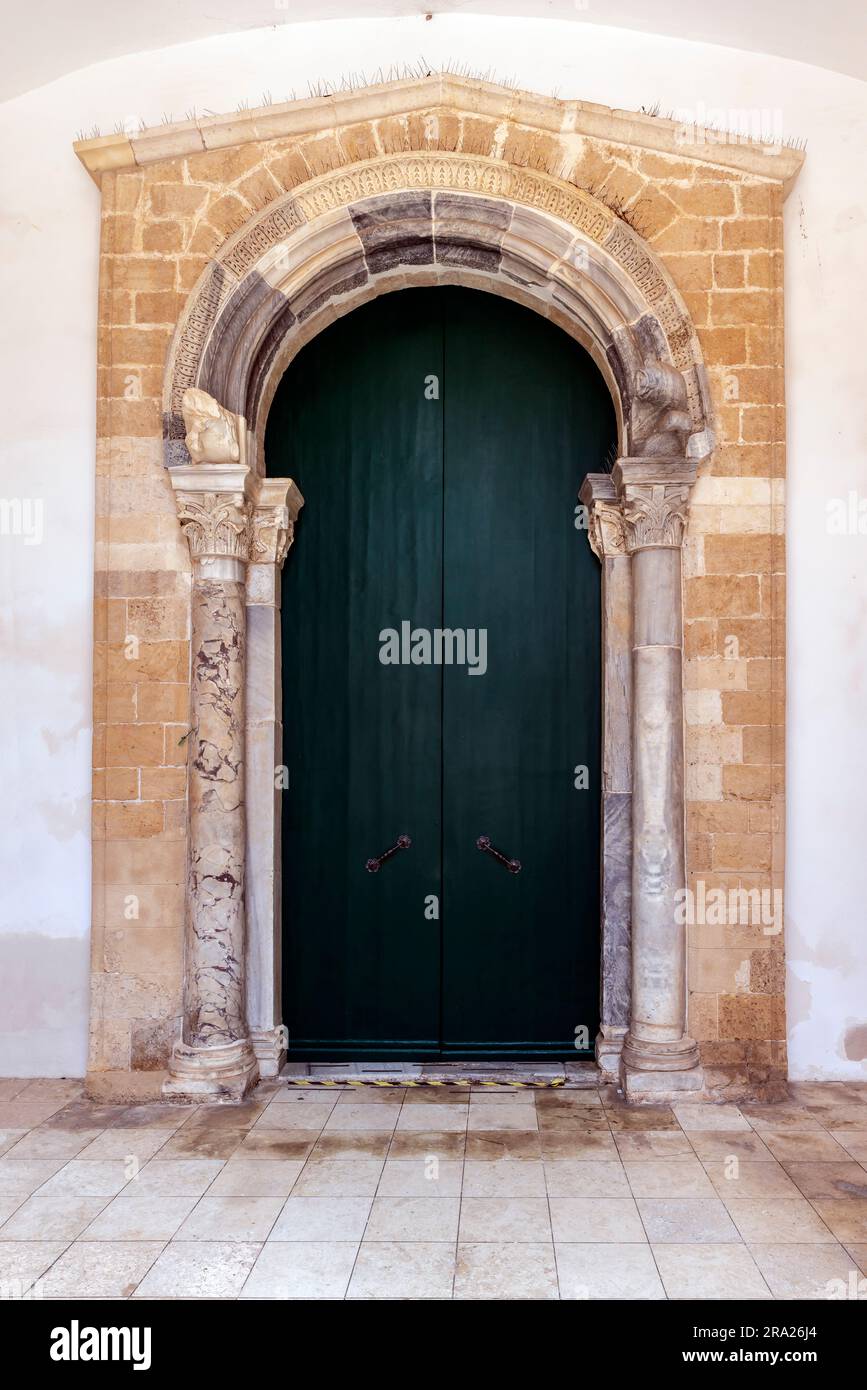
{"x": 441, "y": 683}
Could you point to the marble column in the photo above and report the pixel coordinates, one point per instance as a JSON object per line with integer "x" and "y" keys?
{"x": 277, "y": 506}
{"x": 607, "y": 540}
{"x": 216, "y": 498}
{"x": 658, "y": 1056}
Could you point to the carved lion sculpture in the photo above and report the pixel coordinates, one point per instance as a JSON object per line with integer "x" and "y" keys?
{"x": 212, "y": 432}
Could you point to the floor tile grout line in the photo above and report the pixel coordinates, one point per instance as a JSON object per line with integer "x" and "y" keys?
{"x": 15, "y": 1210}
{"x": 454, "y": 1283}
{"x": 360, "y": 1243}
{"x": 261, "y": 1244}
{"x": 164, "y": 1246}
{"x": 54, "y": 1261}
{"x": 466, "y": 1133}
{"x": 550, "y": 1213}
{"x": 376, "y": 1193}
{"x": 659, "y": 1276}
{"x": 201, "y": 1196}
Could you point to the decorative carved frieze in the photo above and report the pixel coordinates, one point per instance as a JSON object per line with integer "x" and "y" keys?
{"x": 192, "y": 335}
{"x": 464, "y": 173}
{"x": 276, "y": 225}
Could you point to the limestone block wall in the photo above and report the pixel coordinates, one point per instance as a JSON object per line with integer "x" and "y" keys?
{"x": 141, "y": 711}
{"x": 712, "y": 214}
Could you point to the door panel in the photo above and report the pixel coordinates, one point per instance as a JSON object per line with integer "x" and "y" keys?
{"x": 524, "y": 420}
{"x": 361, "y": 740}
{"x": 455, "y": 511}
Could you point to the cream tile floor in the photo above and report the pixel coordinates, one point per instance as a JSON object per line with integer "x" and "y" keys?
{"x": 429, "y": 1194}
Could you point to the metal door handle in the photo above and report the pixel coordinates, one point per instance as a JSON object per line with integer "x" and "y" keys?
{"x": 373, "y": 866}
{"x": 484, "y": 844}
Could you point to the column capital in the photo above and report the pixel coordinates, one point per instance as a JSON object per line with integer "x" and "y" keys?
{"x": 224, "y": 509}
{"x": 654, "y": 495}
{"x": 213, "y": 492}
{"x": 275, "y": 506}
{"x": 214, "y": 510}
{"x": 605, "y": 515}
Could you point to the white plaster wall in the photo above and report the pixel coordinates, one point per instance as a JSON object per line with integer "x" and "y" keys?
{"x": 49, "y": 210}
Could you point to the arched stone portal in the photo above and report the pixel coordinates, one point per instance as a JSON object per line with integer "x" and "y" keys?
{"x": 227, "y": 242}
{"x": 327, "y": 247}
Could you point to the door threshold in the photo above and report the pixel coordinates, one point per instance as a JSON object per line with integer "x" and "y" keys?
{"x": 583, "y": 1076}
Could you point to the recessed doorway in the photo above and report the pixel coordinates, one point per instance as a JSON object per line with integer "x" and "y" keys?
{"x": 441, "y": 684}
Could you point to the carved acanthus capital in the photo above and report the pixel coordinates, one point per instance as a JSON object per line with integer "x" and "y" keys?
{"x": 607, "y": 535}
{"x": 215, "y": 523}
{"x": 655, "y": 499}
{"x": 655, "y": 515}
{"x": 604, "y": 515}
{"x": 276, "y": 505}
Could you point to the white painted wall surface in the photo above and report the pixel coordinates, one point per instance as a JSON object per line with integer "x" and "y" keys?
{"x": 48, "y": 273}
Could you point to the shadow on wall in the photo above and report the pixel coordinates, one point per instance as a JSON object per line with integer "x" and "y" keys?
{"x": 44, "y": 984}
{"x": 855, "y": 1043}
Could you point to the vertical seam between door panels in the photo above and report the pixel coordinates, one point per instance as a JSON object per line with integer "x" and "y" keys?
{"x": 442, "y": 327}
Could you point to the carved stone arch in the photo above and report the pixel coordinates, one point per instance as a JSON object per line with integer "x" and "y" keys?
{"x": 434, "y": 218}
{"x": 312, "y": 255}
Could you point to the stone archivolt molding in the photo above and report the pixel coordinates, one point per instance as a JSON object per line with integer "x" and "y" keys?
{"x": 463, "y": 173}
{"x": 339, "y": 238}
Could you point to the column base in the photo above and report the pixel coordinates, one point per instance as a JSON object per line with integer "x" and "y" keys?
{"x": 225, "y": 1072}
{"x": 269, "y": 1045}
{"x": 660, "y": 1085}
{"x": 660, "y": 1069}
{"x": 609, "y": 1046}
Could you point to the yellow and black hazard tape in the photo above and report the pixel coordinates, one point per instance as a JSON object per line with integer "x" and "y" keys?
{"x": 422, "y": 1081}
